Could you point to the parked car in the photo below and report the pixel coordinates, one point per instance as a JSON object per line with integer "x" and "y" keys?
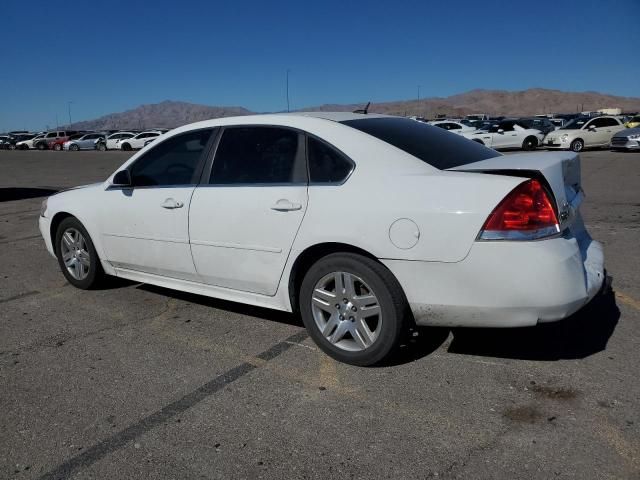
{"x": 139, "y": 141}
{"x": 633, "y": 122}
{"x": 51, "y": 137}
{"x": 4, "y": 140}
{"x": 13, "y": 140}
{"x": 538, "y": 123}
{"x": 85, "y": 142}
{"x": 58, "y": 144}
{"x": 627, "y": 139}
{"x": 114, "y": 141}
{"x": 450, "y": 125}
{"x": 507, "y": 134}
{"x": 29, "y": 143}
{"x": 584, "y": 132}
{"x": 453, "y": 233}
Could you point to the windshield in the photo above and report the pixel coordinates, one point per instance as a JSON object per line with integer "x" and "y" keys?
{"x": 575, "y": 124}
{"x": 432, "y": 145}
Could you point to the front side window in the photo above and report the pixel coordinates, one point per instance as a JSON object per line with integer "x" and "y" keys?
{"x": 51, "y": 135}
{"x": 609, "y": 122}
{"x": 172, "y": 162}
{"x": 326, "y": 164}
{"x": 259, "y": 155}
{"x": 430, "y": 144}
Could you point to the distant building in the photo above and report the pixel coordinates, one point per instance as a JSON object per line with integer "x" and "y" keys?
{"x": 610, "y": 111}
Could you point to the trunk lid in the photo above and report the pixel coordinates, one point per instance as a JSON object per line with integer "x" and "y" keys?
{"x": 561, "y": 170}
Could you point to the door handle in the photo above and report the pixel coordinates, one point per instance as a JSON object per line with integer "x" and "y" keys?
{"x": 284, "y": 205}
{"x": 170, "y": 203}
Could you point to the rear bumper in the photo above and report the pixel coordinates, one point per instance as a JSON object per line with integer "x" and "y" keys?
{"x": 505, "y": 284}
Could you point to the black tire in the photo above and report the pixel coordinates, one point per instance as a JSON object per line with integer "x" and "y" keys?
{"x": 126, "y": 147}
{"x": 577, "y": 145}
{"x": 74, "y": 148}
{"x": 42, "y": 146}
{"x": 395, "y": 313}
{"x": 102, "y": 147}
{"x": 530, "y": 143}
{"x": 57, "y": 147}
{"x": 96, "y": 274}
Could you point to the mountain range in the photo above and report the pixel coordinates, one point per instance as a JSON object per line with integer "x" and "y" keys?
{"x": 170, "y": 114}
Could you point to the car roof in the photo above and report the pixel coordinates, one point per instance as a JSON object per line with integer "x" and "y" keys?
{"x": 335, "y": 116}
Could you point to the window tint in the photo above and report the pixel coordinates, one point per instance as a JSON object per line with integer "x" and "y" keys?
{"x": 172, "y": 162}
{"x": 51, "y": 135}
{"x": 249, "y": 155}
{"x": 453, "y": 126}
{"x": 609, "y": 122}
{"x": 326, "y": 164}
{"x": 430, "y": 144}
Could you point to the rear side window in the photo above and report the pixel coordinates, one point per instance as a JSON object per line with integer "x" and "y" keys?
{"x": 430, "y": 144}
{"x": 259, "y": 155}
{"x": 172, "y": 162}
{"x": 326, "y": 164}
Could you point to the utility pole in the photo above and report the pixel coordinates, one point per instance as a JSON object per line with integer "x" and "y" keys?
{"x": 418, "y": 93}
{"x": 57, "y": 124}
{"x": 288, "y": 89}
{"x": 69, "y": 107}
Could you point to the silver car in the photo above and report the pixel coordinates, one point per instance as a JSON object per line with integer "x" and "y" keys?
{"x": 86, "y": 142}
{"x": 627, "y": 139}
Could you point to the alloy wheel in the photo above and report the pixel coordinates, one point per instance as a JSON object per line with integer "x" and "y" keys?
{"x": 346, "y": 311}
{"x": 75, "y": 253}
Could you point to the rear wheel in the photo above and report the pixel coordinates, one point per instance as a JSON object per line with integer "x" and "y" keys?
{"x": 126, "y": 147}
{"x": 42, "y": 146}
{"x": 77, "y": 255}
{"x": 57, "y": 147}
{"x": 102, "y": 147}
{"x": 577, "y": 145}
{"x": 353, "y": 308}
{"x": 530, "y": 143}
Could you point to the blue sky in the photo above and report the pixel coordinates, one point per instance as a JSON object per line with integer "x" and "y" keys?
{"x": 111, "y": 56}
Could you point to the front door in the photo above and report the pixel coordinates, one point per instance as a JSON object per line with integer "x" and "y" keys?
{"x": 146, "y": 227}
{"x": 243, "y": 222}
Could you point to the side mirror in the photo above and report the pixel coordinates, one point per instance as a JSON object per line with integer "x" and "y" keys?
{"x": 500, "y": 130}
{"x": 592, "y": 127}
{"x": 122, "y": 179}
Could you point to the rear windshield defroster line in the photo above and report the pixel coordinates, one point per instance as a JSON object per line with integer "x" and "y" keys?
{"x": 435, "y": 146}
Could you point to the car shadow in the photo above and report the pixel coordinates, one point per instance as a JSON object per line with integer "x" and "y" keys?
{"x": 10, "y": 194}
{"x": 582, "y": 334}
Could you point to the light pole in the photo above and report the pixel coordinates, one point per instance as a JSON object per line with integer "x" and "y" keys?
{"x": 69, "y": 107}
{"x": 418, "y": 93}
{"x": 288, "y": 89}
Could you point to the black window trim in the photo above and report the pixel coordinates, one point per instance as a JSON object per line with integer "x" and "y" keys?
{"x": 206, "y": 172}
{"x": 197, "y": 175}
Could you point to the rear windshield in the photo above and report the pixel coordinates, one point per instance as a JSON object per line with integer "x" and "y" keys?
{"x": 435, "y": 146}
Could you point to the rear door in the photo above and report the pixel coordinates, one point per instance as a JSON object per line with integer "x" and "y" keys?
{"x": 245, "y": 216}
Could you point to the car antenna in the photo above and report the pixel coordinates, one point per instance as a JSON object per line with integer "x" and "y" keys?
{"x": 365, "y": 110}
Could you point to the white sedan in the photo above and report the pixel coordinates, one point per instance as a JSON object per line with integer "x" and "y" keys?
{"x": 139, "y": 141}
{"x": 115, "y": 140}
{"x": 365, "y": 224}
{"x": 507, "y": 134}
{"x": 453, "y": 126}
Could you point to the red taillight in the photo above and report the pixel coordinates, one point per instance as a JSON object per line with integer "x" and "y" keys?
{"x": 526, "y": 213}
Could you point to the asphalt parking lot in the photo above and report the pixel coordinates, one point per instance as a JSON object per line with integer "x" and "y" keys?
{"x": 135, "y": 381}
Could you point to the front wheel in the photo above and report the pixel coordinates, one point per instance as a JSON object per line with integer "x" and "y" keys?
{"x": 42, "y": 146}
{"x": 577, "y": 145}
{"x": 530, "y": 143}
{"x": 353, "y": 308}
{"x": 102, "y": 147}
{"x": 126, "y": 147}
{"x": 77, "y": 255}
{"x": 57, "y": 147}
{"x": 74, "y": 147}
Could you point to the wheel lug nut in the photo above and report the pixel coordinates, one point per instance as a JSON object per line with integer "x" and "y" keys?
{"x": 338, "y": 306}
{"x": 341, "y": 317}
{"x": 345, "y": 301}
{"x": 354, "y": 309}
{"x": 352, "y": 319}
